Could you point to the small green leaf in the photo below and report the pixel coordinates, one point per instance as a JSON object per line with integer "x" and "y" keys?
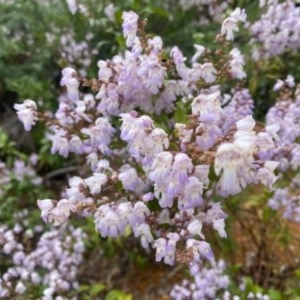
{"x": 97, "y": 289}
{"x": 297, "y": 273}
{"x": 180, "y": 115}
{"x": 274, "y": 295}
{"x": 118, "y": 295}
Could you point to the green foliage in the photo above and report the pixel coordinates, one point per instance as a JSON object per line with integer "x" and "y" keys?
{"x": 118, "y": 295}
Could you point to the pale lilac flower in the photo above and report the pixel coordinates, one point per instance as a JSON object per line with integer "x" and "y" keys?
{"x": 182, "y": 167}
{"x": 105, "y": 72}
{"x": 207, "y": 135}
{"x": 103, "y": 165}
{"x": 18, "y": 257}
{"x": 20, "y": 288}
{"x": 202, "y": 172}
{"x": 231, "y": 160}
{"x": 76, "y": 190}
{"x": 96, "y": 182}
{"x": 230, "y": 24}
{"x": 191, "y": 195}
{"x": 72, "y": 5}
{"x": 60, "y": 145}
{"x": 155, "y": 44}
{"x": 199, "y": 51}
{"x": 130, "y": 26}
{"x": 201, "y": 250}
{"x": 69, "y": 79}
{"x": 148, "y": 197}
{"x": 239, "y": 14}
{"x": 92, "y": 160}
{"x": 110, "y": 11}
{"x": 152, "y": 73}
{"x": 143, "y": 231}
{"x": 155, "y": 142}
{"x": 236, "y": 64}
{"x": 290, "y": 81}
{"x": 33, "y": 159}
{"x": 173, "y": 238}
{"x": 125, "y": 211}
{"x": 265, "y": 174}
{"x": 89, "y": 101}
{"x": 165, "y": 249}
{"x": 184, "y": 135}
{"x": 164, "y": 217}
{"x": 140, "y": 211}
{"x": 108, "y": 222}
{"x": 45, "y": 206}
{"x": 76, "y": 145}
{"x": 79, "y": 112}
{"x": 279, "y": 85}
{"x": 208, "y": 72}
{"x": 207, "y": 107}
{"x": 179, "y": 59}
{"x": 130, "y": 180}
{"x": 195, "y": 228}
{"x": 161, "y": 248}
{"x": 265, "y": 145}
{"x": 27, "y": 113}
{"x": 237, "y": 105}
{"x": 161, "y": 166}
{"x": 100, "y": 135}
{"x": 60, "y": 213}
{"x": 246, "y": 124}
{"x": 219, "y": 226}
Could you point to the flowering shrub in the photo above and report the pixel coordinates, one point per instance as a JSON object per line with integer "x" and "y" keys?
{"x": 154, "y": 167}
{"x": 162, "y": 144}
{"x": 53, "y": 262}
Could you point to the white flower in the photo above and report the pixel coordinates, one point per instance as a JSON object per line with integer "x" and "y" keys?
{"x": 199, "y": 51}
{"x": 95, "y": 182}
{"x": 230, "y": 24}
{"x": 71, "y": 82}
{"x": 20, "y": 288}
{"x": 143, "y": 231}
{"x": 235, "y": 165}
{"x": 45, "y": 206}
{"x": 130, "y": 26}
{"x": 27, "y": 113}
{"x": 60, "y": 213}
{"x": 208, "y": 107}
{"x": 246, "y": 124}
{"x": 72, "y": 5}
{"x": 161, "y": 166}
{"x": 219, "y": 225}
{"x": 236, "y": 64}
{"x": 195, "y": 227}
{"x": 208, "y": 72}
{"x": 110, "y": 11}
{"x": 278, "y": 85}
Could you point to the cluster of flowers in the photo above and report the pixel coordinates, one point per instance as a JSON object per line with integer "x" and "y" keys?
{"x": 210, "y": 282}
{"x": 153, "y": 176}
{"x": 215, "y": 8}
{"x": 68, "y": 46}
{"x": 284, "y": 117}
{"x": 21, "y": 171}
{"x": 277, "y": 30}
{"x": 77, "y": 53}
{"x": 207, "y": 283}
{"x": 288, "y": 199}
{"x": 50, "y": 261}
